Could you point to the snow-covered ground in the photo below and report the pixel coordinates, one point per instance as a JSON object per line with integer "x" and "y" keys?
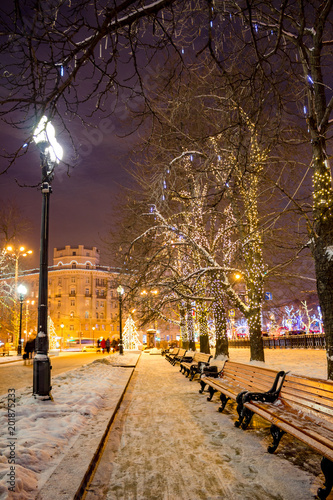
{"x": 35, "y": 435}
{"x": 174, "y": 444}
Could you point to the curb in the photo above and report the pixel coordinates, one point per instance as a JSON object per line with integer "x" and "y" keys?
{"x": 72, "y": 475}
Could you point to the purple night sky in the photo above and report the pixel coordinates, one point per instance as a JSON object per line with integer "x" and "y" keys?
{"x": 80, "y": 208}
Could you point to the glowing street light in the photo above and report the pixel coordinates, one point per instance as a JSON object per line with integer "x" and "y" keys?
{"x": 22, "y": 291}
{"x": 50, "y": 154}
{"x": 120, "y": 291}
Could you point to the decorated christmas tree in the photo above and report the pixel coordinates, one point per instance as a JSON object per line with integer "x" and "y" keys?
{"x": 130, "y": 335}
{"x": 53, "y": 343}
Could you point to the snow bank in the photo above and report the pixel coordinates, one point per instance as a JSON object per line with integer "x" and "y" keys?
{"x": 36, "y": 434}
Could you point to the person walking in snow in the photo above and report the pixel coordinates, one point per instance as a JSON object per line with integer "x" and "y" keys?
{"x": 108, "y": 345}
{"x": 103, "y": 344}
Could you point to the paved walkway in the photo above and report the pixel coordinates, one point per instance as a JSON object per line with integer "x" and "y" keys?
{"x": 169, "y": 443}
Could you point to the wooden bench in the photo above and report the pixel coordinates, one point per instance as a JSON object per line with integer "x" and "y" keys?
{"x": 304, "y": 409}
{"x": 179, "y": 357}
{"x": 235, "y": 379}
{"x": 170, "y": 355}
{"x": 192, "y": 367}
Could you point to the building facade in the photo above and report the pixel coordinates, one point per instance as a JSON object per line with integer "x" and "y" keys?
{"x": 82, "y": 295}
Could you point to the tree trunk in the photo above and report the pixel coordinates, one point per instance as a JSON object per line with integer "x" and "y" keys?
{"x": 203, "y": 326}
{"x": 183, "y": 328}
{"x": 254, "y": 321}
{"x": 222, "y": 345}
{"x": 190, "y": 327}
{"x": 322, "y": 243}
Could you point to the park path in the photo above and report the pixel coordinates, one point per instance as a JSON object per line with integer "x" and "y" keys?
{"x": 169, "y": 443}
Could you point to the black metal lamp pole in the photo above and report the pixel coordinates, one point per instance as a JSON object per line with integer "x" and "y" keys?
{"x": 49, "y": 155}
{"x": 120, "y": 291}
{"x": 22, "y": 291}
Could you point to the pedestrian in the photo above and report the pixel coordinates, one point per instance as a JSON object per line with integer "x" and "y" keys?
{"x": 28, "y": 350}
{"x": 103, "y": 344}
{"x": 108, "y": 345}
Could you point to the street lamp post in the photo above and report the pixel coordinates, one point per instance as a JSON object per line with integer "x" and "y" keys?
{"x": 16, "y": 253}
{"x": 120, "y": 291}
{"x": 22, "y": 292}
{"x": 50, "y": 154}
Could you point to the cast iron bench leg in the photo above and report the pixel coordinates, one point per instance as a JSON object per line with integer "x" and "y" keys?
{"x": 277, "y": 435}
{"x": 211, "y": 393}
{"x": 327, "y": 468}
{"x": 240, "y": 408}
{"x": 203, "y": 385}
{"x": 224, "y": 401}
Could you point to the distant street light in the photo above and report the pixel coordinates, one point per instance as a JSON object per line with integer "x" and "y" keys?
{"x": 120, "y": 291}
{"x": 16, "y": 253}
{"x": 50, "y": 154}
{"x": 22, "y": 292}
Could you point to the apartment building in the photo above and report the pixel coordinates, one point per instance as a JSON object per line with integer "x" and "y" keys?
{"x": 82, "y": 295}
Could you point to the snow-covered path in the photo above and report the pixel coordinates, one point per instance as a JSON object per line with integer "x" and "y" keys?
{"x": 174, "y": 445}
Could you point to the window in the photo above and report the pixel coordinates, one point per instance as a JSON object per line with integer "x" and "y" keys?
{"x": 87, "y": 292}
{"x": 86, "y": 327}
{"x": 58, "y": 315}
{"x": 72, "y": 291}
{"x": 101, "y": 315}
{"x": 96, "y": 315}
{"x": 73, "y": 279}
{"x": 87, "y": 280}
{"x": 86, "y": 314}
{"x": 59, "y": 303}
{"x": 97, "y": 304}
{"x": 72, "y": 302}
{"x": 74, "y": 253}
{"x": 87, "y": 266}
{"x": 74, "y": 265}
{"x": 59, "y": 282}
{"x": 86, "y": 302}
{"x": 103, "y": 327}
{"x": 71, "y": 327}
{"x": 71, "y": 314}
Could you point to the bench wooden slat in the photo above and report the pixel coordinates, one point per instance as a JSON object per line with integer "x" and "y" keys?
{"x": 304, "y": 409}
{"x": 236, "y": 378}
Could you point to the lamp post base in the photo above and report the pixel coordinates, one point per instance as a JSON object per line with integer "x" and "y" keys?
{"x": 42, "y": 376}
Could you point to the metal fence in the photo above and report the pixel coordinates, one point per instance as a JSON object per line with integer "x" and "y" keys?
{"x": 308, "y": 341}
